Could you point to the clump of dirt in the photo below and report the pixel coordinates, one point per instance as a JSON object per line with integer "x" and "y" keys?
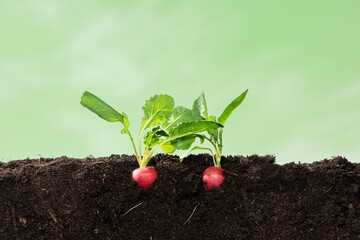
{"x": 94, "y": 198}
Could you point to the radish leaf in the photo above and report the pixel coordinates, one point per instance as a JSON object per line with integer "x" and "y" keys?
{"x": 231, "y": 107}
{"x": 181, "y": 114}
{"x": 103, "y": 110}
{"x": 182, "y": 136}
{"x": 200, "y": 107}
{"x": 186, "y": 142}
{"x": 157, "y": 110}
{"x": 183, "y": 143}
{"x": 167, "y": 148}
{"x": 152, "y": 138}
{"x": 189, "y": 128}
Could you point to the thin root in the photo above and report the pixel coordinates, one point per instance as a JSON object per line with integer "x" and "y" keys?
{"x": 191, "y": 214}
{"x": 131, "y": 209}
{"x": 52, "y": 216}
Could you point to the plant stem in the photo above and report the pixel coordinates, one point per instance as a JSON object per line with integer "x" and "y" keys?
{"x": 214, "y": 145}
{"x": 218, "y": 159}
{"x": 146, "y": 159}
{"x": 219, "y": 151}
{"x": 132, "y": 142}
{"x": 220, "y": 137}
{"x": 212, "y": 155}
{"x": 140, "y": 158}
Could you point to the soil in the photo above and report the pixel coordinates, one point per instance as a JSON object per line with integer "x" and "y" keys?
{"x": 94, "y": 198}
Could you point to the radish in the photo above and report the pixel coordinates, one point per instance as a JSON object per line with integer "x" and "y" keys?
{"x": 144, "y": 176}
{"x": 213, "y": 177}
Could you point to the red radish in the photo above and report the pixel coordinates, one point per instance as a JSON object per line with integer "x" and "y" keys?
{"x": 144, "y": 176}
{"x": 213, "y": 177}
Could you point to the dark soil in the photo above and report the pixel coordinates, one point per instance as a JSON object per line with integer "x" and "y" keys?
{"x": 94, "y": 198}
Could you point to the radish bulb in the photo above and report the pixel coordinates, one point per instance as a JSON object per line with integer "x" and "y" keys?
{"x": 213, "y": 177}
{"x": 144, "y": 176}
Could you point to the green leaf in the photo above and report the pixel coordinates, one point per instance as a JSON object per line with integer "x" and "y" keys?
{"x": 200, "y": 107}
{"x": 190, "y": 128}
{"x": 183, "y": 143}
{"x": 192, "y": 149}
{"x": 231, "y": 107}
{"x": 186, "y": 142}
{"x": 148, "y": 138}
{"x": 181, "y": 114}
{"x": 157, "y": 109}
{"x": 152, "y": 138}
{"x": 157, "y": 130}
{"x": 162, "y": 133}
{"x": 103, "y": 110}
{"x": 182, "y": 136}
{"x": 167, "y": 148}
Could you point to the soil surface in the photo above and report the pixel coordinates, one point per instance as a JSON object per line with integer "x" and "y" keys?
{"x": 94, "y": 198}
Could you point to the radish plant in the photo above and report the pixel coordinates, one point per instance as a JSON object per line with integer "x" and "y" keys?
{"x": 213, "y": 176}
{"x": 161, "y": 123}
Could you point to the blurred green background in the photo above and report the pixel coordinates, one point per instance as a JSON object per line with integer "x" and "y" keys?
{"x": 299, "y": 60}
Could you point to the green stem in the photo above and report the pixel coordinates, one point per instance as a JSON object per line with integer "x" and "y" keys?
{"x": 212, "y": 155}
{"x": 140, "y": 158}
{"x": 218, "y": 159}
{"x": 145, "y": 158}
{"x": 219, "y": 151}
{"x": 214, "y": 145}
{"x": 133, "y": 144}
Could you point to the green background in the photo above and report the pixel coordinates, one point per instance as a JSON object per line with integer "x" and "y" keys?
{"x": 299, "y": 60}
